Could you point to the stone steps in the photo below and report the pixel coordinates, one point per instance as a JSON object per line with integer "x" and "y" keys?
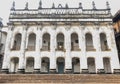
{"x": 59, "y": 78}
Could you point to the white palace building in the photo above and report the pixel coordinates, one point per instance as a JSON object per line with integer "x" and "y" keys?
{"x": 60, "y": 40}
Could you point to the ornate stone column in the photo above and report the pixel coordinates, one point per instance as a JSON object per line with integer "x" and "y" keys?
{"x": 52, "y": 50}
{"x": 94, "y": 38}
{"x": 83, "y": 59}
{"x": 37, "y": 64}
{"x": 68, "y": 60}
{"x": 97, "y": 44}
{"x": 99, "y": 64}
{"x": 21, "y": 67}
{"x": 38, "y": 32}
{"x": 6, "y": 60}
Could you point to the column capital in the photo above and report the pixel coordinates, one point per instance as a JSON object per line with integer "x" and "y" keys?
{"x": 81, "y": 27}
{"x": 11, "y": 27}
{"x": 67, "y": 26}
{"x": 39, "y": 26}
{"x": 54, "y": 25}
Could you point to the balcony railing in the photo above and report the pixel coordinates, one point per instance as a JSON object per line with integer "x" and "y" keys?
{"x": 105, "y": 48}
{"x": 75, "y": 48}
{"x": 90, "y": 48}
{"x": 16, "y": 48}
{"x": 45, "y": 48}
{"x": 31, "y": 48}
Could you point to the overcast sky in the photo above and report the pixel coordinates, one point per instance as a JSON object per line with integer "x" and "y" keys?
{"x": 5, "y": 5}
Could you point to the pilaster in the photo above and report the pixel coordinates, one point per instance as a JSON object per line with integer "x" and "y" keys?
{"x": 5, "y": 66}
{"x": 37, "y": 65}
{"x": 83, "y": 59}
{"x": 68, "y": 61}
{"x": 21, "y": 66}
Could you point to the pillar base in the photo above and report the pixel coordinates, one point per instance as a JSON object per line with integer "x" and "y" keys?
{"x": 116, "y": 71}
{"x": 4, "y": 71}
{"x": 108, "y": 73}
{"x": 28, "y": 72}
{"x": 36, "y": 71}
{"x": 76, "y": 72}
{"x": 101, "y": 71}
{"x": 84, "y": 71}
{"x": 92, "y": 72}
{"x": 21, "y": 71}
{"x": 68, "y": 71}
{"x": 52, "y": 71}
{"x": 12, "y": 72}
{"x": 44, "y": 72}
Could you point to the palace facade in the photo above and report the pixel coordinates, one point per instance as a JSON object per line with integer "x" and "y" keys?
{"x": 60, "y": 40}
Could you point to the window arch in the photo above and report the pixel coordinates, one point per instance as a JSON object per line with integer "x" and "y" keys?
{"x": 89, "y": 42}
{"x": 17, "y": 41}
{"x": 31, "y": 42}
{"x": 60, "y": 41}
{"x": 29, "y": 65}
{"x": 14, "y": 62}
{"x": 91, "y": 65}
{"x": 60, "y": 65}
{"x": 76, "y": 65}
{"x": 74, "y": 42}
{"x": 45, "y": 65}
{"x": 46, "y": 42}
{"x": 107, "y": 65}
{"x": 103, "y": 42}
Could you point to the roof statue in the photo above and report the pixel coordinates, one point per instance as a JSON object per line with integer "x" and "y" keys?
{"x": 53, "y": 5}
{"x": 60, "y": 6}
{"x": 107, "y": 5}
{"x": 40, "y": 5}
{"x": 13, "y": 6}
{"x": 66, "y": 6}
{"x": 93, "y": 4}
{"x": 80, "y": 6}
{"x": 26, "y": 6}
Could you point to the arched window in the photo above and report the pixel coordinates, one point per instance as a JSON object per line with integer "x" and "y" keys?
{"x": 31, "y": 42}
{"x": 107, "y": 65}
{"x": 60, "y": 65}
{"x": 60, "y": 41}
{"x": 17, "y": 42}
{"x": 91, "y": 65}
{"x": 29, "y": 65}
{"x": 89, "y": 42}
{"x": 74, "y": 42}
{"x": 45, "y": 64}
{"x": 76, "y": 65}
{"x": 14, "y": 62}
{"x": 103, "y": 42}
{"x": 46, "y": 42}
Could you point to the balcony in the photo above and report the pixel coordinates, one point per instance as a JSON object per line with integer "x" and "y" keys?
{"x": 16, "y": 48}
{"x": 75, "y": 48}
{"x": 90, "y": 48}
{"x": 45, "y": 48}
{"x": 31, "y": 48}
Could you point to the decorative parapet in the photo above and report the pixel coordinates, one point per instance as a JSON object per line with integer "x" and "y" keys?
{"x": 60, "y": 13}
